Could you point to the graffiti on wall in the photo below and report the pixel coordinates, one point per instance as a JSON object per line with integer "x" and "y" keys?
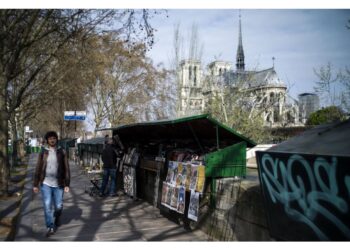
{"x": 307, "y": 195}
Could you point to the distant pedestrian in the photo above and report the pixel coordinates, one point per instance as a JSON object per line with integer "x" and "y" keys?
{"x": 52, "y": 176}
{"x": 109, "y": 159}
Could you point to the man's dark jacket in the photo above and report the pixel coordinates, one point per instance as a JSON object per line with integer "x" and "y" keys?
{"x": 109, "y": 157}
{"x": 63, "y": 171}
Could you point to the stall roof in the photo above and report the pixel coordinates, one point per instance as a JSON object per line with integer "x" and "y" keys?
{"x": 67, "y": 142}
{"x": 201, "y": 128}
{"x": 98, "y": 140}
{"x": 329, "y": 139}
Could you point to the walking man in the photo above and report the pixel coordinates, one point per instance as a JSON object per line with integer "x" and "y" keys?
{"x": 52, "y": 176}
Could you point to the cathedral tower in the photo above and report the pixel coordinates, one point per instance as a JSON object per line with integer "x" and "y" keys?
{"x": 190, "y": 99}
{"x": 240, "y": 53}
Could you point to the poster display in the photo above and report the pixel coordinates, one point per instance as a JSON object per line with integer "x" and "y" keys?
{"x": 130, "y": 161}
{"x": 182, "y": 176}
{"x": 129, "y": 180}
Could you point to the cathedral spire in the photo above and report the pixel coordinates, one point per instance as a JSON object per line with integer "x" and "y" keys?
{"x": 240, "y": 53}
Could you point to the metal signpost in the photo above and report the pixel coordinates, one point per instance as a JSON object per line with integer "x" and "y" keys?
{"x": 74, "y": 116}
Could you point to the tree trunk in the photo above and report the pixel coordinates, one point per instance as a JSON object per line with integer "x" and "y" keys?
{"x": 4, "y": 164}
{"x": 14, "y": 140}
{"x": 21, "y": 149}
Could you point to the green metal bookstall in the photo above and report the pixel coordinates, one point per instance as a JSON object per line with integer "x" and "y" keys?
{"x": 66, "y": 144}
{"x": 89, "y": 151}
{"x": 224, "y": 150}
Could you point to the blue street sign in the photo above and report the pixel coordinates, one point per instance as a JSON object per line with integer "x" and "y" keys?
{"x": 74, "y": 115}
{"x": 80, "y": 117}
{"x": 74, "y": 118}
{"x": 68, "y": 118}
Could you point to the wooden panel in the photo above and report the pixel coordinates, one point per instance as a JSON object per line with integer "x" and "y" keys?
{"x": 149, "y": 165}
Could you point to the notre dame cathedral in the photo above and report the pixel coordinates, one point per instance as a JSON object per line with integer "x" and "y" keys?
{"x": 265, "y": 88}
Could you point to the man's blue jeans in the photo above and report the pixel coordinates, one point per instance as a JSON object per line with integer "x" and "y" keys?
{"x": 53, "y": 202}
{"x": 112, "y": 173}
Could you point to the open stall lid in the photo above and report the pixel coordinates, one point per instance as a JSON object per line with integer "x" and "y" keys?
{"x": 203, "y": 129}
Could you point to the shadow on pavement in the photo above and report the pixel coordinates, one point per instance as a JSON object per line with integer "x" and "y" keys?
{"x": 91, "y": 218}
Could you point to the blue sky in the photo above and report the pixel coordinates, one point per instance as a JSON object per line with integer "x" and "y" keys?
{"x": 299, "y": 39}
{"x": 301, "y": 35}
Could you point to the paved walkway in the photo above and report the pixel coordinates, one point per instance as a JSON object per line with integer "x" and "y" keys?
{"x": 87, "y": 218}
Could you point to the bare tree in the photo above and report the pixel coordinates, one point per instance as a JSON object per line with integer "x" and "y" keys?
{"x": 345, "y": 95}
{"x": 327, "y": 84}
{"x": 239, "y": 106}
{"x": 333, "y": 86}
{"x": 125, "y": 87}
{"x": 162, "y": 106}
{"x": 175, "y": 63}
{"x": 195, "y": 49}
{"x": 195, "y": 53}
{"x": 30, "y": 41}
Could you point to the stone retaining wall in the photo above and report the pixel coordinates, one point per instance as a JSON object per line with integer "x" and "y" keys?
{"x": 239, "y": 213}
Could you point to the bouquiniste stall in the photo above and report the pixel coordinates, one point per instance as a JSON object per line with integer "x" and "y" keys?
{"x": 173, "y": 163}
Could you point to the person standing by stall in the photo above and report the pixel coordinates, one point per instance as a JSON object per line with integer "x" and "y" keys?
{"x": 109, "y": 159}
{"x": 52, "y": 175}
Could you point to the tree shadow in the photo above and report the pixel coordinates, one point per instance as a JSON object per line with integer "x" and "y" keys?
{"x": 91, "y": 218}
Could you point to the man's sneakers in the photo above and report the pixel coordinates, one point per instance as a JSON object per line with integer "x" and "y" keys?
{"x": 50, "y": 231}
{"x": 57, "y": 222}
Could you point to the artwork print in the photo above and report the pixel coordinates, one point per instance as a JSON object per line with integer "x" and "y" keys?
{"x": 188, "y": 176}
{"x": 181, "y": 200}
{"x": 129, "y": 180}
{"x": 169, "y": 195}
{"x": 200, "y": 178}
{"x": 194, "y": 175}
{"x": 174, "y": 198}
{"x": 164, "y": 192}
{"x": 181, "y": 175}
{"x": 194, "y": 206}
{"x": 172, "y": 170}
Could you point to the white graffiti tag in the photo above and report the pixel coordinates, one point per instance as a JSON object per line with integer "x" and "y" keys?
{"x": 310, "y": 192}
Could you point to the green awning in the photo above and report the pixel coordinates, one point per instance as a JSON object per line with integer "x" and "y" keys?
{"x": 202, "y": 130}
